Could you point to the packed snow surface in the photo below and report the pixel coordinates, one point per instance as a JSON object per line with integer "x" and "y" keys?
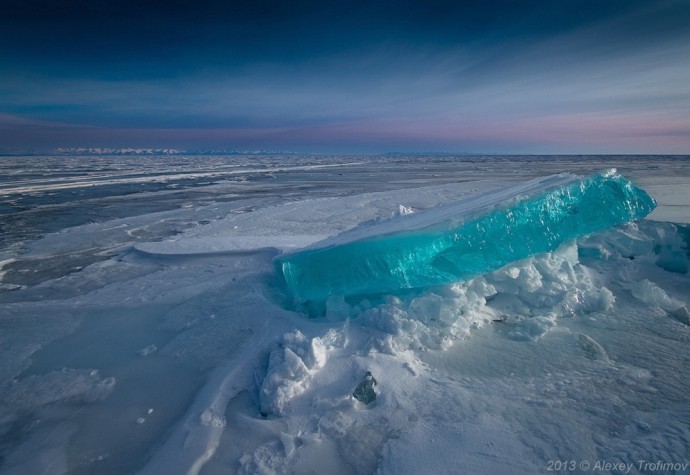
{"x": 144, "y": 328}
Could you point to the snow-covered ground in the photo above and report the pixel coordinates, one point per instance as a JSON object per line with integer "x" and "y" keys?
{"x": 143, "y": 328}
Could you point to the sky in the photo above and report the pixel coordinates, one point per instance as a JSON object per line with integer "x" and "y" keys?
{"x": 523, "y": 76}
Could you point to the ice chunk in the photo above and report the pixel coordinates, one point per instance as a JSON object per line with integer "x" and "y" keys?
{"x": 364, "y": 392}
{"x": 290, "y": 366}
{"x": 462, "y": 240}
{"x": 651, "y": 294}
{"x": 590, "y": 348}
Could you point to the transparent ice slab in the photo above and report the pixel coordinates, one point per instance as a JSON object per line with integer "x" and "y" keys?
{"x": 461, "y": 240}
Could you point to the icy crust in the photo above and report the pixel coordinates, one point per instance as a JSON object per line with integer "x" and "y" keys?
{"x": 462, "y": 240}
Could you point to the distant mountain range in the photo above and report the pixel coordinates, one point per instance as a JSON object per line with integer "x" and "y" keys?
{"x": 161, "y": 151}
{"x": 117, "y": 151}
{"x": 139, "y": 152}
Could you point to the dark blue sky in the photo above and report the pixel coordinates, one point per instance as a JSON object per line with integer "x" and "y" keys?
{"x": 581, "y": 76}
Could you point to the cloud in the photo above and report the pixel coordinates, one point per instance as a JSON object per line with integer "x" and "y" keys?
{"x": 354, "y": 71}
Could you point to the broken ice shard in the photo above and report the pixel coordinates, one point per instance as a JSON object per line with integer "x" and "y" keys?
{"x": 364, "y": 392}
{"x": 461, "y": 240}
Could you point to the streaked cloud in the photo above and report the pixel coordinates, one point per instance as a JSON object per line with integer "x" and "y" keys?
{"x": 535, "y": 78}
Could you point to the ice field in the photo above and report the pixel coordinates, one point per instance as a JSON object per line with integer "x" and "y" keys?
{"x": 144, "y": 328}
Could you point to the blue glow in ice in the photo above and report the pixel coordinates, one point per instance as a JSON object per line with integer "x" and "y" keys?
{"x": 463, "y": 239}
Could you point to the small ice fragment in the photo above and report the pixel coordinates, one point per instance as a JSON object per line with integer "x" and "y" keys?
{"x": 650, "y": 293}
{"x": 9, "y": 286}
{"x": 31, "y": 425}
{"x": 141, "y": 420}
{"x": 590, "y": 348}
{"x": 364, "y": 392}
{"x": 643, "y": 426}
{"x": 107, "y": 383}
{"x": 148, "y": 350}
{"x": 332, "y": 338}
{"x": 288, "y": 442}
{"x": 681, "y": 314}
{"x": 210, "y": 418}
{"x": 404, "y": 210}
{"x": 290, "y": 365}
{"x": 461, "y": 240}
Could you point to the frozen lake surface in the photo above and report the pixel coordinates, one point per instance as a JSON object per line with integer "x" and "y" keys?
{"x": 143, "y": 328}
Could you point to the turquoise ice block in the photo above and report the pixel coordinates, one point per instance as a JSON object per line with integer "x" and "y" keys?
{"x": 463, "y": 239}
